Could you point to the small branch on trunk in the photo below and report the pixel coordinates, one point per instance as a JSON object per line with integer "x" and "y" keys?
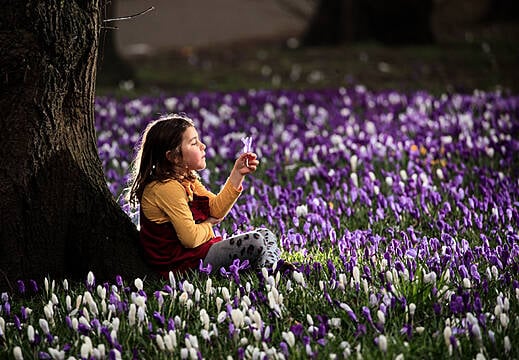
{"x": 130, "y": 16}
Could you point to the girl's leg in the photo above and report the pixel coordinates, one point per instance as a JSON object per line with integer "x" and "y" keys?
{"x": 246, "y": 246}
{"x": 259, "y": 247}
{"x": 272, "y": 253}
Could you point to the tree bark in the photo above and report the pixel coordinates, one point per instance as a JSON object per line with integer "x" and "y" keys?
{"x": 57, "y": 216}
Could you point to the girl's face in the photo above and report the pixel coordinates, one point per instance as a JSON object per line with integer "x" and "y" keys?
{"x": 193, "y": 150}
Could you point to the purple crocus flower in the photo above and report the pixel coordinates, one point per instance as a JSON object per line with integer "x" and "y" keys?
{"x": 159, "y": 317}
{"x": 241, "y": 353}
{"x": 42, "y": 355}
{"x": 207, "y": 269}
{"x": 21, "y": 287}
{"x": 367, "y": 314}
{"x": 17, "y": 323}
{"x": 34, "y": 285}
{"x": 297, "y": 329}
{"x": 284, "y": 348}
{"x": 407, "y": 330}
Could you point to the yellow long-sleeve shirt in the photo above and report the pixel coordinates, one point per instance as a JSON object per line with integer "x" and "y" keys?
{"x": 168, "y": 201}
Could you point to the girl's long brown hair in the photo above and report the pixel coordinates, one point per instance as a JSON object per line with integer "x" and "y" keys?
{"x": 150, "y": 163}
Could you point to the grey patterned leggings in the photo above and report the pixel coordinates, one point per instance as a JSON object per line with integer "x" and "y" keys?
{"x": 259, "y": 246}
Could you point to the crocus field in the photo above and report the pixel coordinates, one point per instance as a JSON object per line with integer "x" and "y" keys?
{"x": 400, "y": 212}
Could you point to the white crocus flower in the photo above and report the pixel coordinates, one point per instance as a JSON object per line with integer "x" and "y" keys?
{"x": 170, "y": 341}
{"x": 30, "y": 333}
{"x": 480, "y": 356}
{"x": 382, "y": 343}
{"x": 86, "y": 347}
{"x": 503, "y": 318}
{"x": 354, "y": 162}
{"x": 132, "y": 314}
{"x": 84, "y": 321}
{"x": 355, "y": 179}
{"x": 90, "y": 278}
{"x": 209, "y": 287}
{"x": 221, "y": 317}
{"x": 183, "y": 298}
{"x": 447, "y": 332}
{"x": 412, "y": 309}
{"x": 115, "y": 323}
{"x": 507, "y": 344}
{"x": 68, "y": 303}
{"x": 299, "y": 278}
{"x": 204, "y": 318}
{"x": 356, "y": 274}
{"x": 219, "y": 302}
{"x": 57, "y": 354}
{"x": 506, "y": 304}
{"x": 289, "y": 338}
{"x": 187, "y": 286}
{"x": 172, "y": 280}
{"x": 48, "y": 310}
{"x": 302, "y": 210}
{"x": 44, "y": 326}
{"x": 381, "y": 317}
{"x": 205, "y": 334}
{"x": 138, "y": 284}
{"x": 141, "y": 314}
{"x": 102, "y": 351}
{"x": 17, "y": 353}
{"x": 237, "y": 318}
{"x": 335, "y": 323}
{"x": 101, "y": 292}
{"x": 225, "y": 293}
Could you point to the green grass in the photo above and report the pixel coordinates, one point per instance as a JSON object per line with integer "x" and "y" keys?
{"x": 440, "y": 68}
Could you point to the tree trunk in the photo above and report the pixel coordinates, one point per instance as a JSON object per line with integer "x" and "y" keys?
{"x": 389, "y": 22}
{"x": 57, "y": 216}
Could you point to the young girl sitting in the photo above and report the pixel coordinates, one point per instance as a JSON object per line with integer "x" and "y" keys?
{"x": 177, "y": 213}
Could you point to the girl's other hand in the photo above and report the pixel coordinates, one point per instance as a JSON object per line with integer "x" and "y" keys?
{"x": 213, "y": 220}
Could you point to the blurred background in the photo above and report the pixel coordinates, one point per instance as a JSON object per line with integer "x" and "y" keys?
{"x": 177, "y": 46}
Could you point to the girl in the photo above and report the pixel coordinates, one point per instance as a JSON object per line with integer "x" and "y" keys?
{"x": 177, "y": 213}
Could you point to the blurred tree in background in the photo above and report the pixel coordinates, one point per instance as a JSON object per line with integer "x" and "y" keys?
{"x": 390, "y": 22}
{"x": 396, "y": 22}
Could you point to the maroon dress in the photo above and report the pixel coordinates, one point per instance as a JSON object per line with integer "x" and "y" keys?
{"x": 163, "y": 250}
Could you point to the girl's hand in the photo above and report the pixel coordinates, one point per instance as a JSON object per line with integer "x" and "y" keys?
{"x": 246, "y": 163}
